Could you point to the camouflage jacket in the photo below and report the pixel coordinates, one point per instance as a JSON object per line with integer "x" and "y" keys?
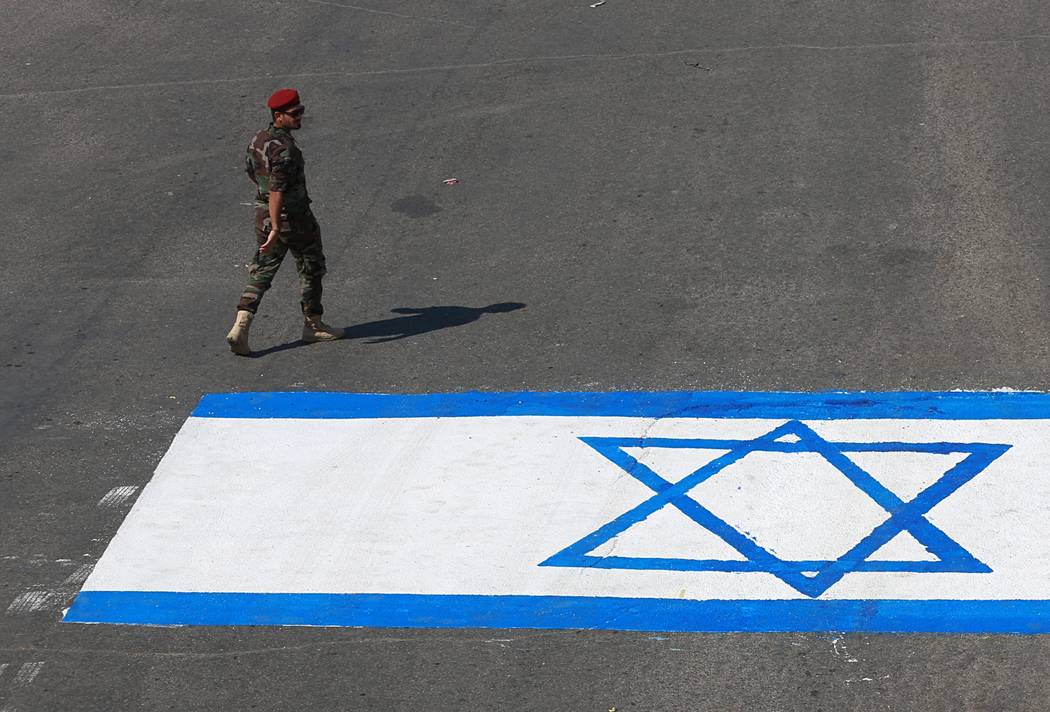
{"x": 274, "y": 162}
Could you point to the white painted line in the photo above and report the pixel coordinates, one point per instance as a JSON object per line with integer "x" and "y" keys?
{"x": 27, "y": 673}
{"x": 34, "y": 601}
{"x": 118, "y": 496}
{"x": 78, "y": 577}
{"x": 25, "y": 676}
{"x": 31, "y": 601}
{"x": 3, "y": 666}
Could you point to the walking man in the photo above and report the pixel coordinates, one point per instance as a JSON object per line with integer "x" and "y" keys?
{"x": 283, "y": 223}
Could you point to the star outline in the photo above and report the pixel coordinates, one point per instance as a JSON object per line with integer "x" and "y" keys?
{"x": 903, "y": 516}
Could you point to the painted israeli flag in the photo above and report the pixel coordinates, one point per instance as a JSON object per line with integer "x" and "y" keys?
{"x": 633, "y": 511}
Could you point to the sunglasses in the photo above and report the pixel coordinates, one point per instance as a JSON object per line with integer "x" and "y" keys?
{"x": 296, "y": 112}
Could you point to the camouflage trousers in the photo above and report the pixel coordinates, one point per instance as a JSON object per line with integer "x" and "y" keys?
{"x": 300, "y": 235}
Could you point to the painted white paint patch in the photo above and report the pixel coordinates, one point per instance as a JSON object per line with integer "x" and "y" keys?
{"x": 477, "y": 505}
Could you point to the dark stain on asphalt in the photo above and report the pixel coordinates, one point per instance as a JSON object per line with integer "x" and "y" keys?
{"x": 415, "y": 206}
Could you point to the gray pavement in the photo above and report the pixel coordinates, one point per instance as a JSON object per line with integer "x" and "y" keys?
{"x": 759, "y": 195}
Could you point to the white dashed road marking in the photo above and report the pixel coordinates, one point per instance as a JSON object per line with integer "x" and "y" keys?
{"x": 117, "y": 496}
{"x": 34, "y": 601}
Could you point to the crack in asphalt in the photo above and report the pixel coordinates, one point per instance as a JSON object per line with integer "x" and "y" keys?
{"x": 391, "y": 14}
{"x": 529, "y": 60}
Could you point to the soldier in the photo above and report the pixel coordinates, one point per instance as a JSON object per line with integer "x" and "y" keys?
{"x": 283, "y": 222}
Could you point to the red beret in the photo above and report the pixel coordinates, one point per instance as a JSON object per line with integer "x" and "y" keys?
{"x": 282, "y": 99}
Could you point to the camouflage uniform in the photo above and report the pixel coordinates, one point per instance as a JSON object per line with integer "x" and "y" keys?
{"x": 274, "y": 162}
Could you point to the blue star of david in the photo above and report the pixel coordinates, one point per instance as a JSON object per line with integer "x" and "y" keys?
{"x": 811, "y": 578}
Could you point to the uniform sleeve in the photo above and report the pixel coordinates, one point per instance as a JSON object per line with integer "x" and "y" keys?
{"x": 249, "y": 167}
{"x": 281, "y": 166}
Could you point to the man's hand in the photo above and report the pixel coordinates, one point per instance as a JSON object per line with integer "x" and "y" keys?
{"x": 274, "y": 204}
{"x": 271, "y": 240}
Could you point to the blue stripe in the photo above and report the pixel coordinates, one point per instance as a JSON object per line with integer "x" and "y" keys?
{"x": 703, "y": 404}
{"x": 558, "y": 612}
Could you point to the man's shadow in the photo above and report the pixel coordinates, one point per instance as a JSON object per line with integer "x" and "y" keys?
{"x": 417, "y": 320}
{"x": 420, "y": 320}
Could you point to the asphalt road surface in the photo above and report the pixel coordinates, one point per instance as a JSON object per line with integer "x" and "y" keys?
{"x": 747, "y": 195}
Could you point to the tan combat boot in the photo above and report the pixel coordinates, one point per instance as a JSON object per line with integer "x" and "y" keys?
{"x": 316, "y": 330}
{"x": 238, "y": 336}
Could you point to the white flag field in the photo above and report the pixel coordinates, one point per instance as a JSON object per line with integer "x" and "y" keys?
{"x": 664, "y": 511}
